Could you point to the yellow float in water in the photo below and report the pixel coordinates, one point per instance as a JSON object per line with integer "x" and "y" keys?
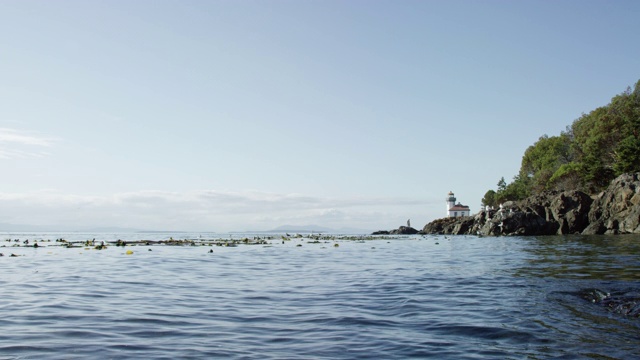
{"x": 129, "y": 252}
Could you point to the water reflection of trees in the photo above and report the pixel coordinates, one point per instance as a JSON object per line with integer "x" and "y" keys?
{"x": 597, "y": 257}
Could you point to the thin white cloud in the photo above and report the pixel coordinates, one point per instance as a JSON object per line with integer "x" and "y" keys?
{"x": 21, "y": 137}
{"x": 19, "y": 144}
{"x": 205, "y": 210}
{"x": 19, "y": 154}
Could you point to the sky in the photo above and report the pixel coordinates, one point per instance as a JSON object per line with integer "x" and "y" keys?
{"x": 194, "y": 115}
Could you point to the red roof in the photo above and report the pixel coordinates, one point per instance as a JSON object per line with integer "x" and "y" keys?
{"x": 459, "y": 208}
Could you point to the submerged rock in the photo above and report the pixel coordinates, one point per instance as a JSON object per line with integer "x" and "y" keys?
{"x": 625, "y": 303}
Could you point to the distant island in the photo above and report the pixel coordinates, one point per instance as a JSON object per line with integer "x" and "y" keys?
{"x": 302, "y": 229}
{"x": 305, "y": 229}
{"x": 57, "y": 228}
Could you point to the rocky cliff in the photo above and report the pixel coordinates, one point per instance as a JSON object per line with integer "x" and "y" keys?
{"x": 614, "y": 211}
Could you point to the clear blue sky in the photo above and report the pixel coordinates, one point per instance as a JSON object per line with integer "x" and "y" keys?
{"x": 247, "y": 115}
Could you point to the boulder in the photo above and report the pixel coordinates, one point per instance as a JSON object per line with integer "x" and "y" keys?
{"x": 570, "y": 210}
{"x": 463, "y": 225}
{"x": 511, "y": 222}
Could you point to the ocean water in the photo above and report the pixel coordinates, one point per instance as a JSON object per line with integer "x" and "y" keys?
{"x": 459, "y": 297}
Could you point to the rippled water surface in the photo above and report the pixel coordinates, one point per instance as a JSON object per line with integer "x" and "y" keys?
{"x": 457, "y": 297}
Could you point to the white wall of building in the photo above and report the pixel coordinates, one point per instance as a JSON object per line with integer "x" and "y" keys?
{"x": 458, "y": 213}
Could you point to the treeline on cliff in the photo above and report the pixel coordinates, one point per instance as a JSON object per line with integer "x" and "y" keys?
{"x": 587, "y": 156}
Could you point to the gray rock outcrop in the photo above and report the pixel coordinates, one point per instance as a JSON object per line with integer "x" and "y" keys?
{"x": 454, "y": 226}
{"x": 614, "y": 211}
{"x": 617, "y": 209}
{"x": 403, "y": 230}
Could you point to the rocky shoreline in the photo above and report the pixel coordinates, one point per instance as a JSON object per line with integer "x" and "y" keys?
{"x": 614, "y": 211}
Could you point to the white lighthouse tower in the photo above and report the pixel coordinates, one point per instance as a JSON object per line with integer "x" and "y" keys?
{"x": 451, "y": 201}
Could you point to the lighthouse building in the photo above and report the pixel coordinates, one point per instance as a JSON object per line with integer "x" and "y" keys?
{"x": 456, "y": 210}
